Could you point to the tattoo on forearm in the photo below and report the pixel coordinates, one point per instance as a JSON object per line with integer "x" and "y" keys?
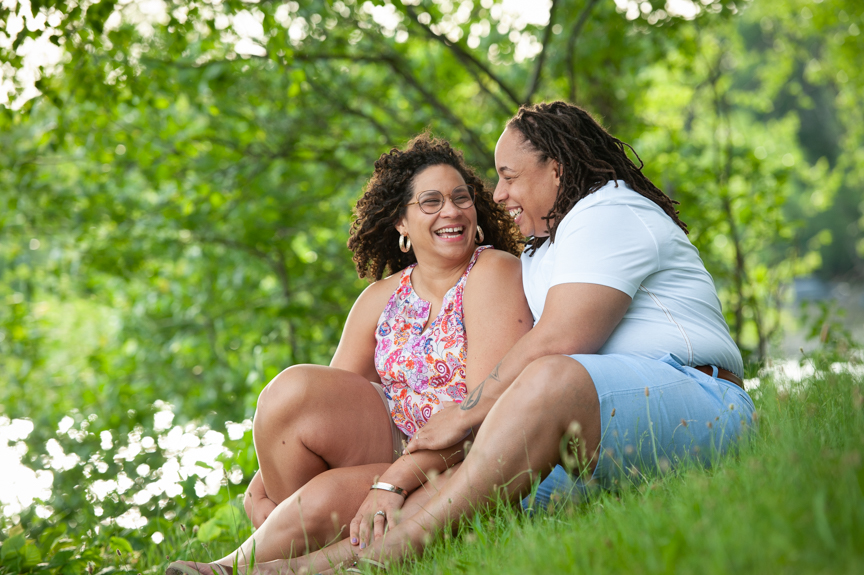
{"x": 474, "y": 398}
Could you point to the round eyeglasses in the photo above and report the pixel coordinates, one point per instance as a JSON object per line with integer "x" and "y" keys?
{"x": 432, "y": 201}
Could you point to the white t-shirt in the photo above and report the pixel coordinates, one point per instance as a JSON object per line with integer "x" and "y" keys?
{"x": 615, "y": 237}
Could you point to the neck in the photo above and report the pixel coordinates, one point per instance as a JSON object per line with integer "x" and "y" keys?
{"x": 434, "y": 278}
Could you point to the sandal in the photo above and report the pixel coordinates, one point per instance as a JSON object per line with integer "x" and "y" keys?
{"x": 177, "y": 568}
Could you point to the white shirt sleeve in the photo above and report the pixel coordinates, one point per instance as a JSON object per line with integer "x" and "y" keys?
{"x": 608, "y": 245}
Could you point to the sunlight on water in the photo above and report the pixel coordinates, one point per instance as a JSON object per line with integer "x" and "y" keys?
{"x": 20, "y": 486}
{"x": 785, "y": 373}
{"x": 191, "y": 451}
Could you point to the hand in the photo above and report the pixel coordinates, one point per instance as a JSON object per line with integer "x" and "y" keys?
{"x": 444, "y": 429}
{"x": 368, "y": 522}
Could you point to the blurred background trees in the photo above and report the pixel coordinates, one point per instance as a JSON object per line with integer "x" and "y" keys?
{"x": 176, "y": 181}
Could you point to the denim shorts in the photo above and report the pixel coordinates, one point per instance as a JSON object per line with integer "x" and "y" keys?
{"x": 654, "y": 414}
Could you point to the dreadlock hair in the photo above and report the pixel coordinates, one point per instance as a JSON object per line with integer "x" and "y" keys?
{"x": 589, "y": 157}
{"x": 374, "y": 238}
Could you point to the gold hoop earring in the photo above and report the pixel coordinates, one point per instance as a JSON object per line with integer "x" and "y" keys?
{"x": 404, "y": 243}
{"x": 479, "y": 239}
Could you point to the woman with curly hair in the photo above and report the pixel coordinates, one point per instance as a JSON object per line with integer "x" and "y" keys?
{"x": 324, "y": 435}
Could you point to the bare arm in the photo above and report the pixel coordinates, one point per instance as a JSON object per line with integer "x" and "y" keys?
{"x": 577, "y": 318}
{"x": 356, "y": 350}
{"x": 496, "y": 315}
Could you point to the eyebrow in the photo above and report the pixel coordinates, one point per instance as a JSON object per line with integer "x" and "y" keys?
{"x": 506, "y": 169}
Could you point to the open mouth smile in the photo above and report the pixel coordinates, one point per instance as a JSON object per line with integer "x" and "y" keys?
{"x": 450, "y": 233}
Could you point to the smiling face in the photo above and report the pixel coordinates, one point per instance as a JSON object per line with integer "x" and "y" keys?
{"x": 527, "y": 185}
{"x": 449, "y": 233}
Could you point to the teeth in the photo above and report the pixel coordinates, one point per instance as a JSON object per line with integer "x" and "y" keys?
{"x": 449, "y": 231}
{"x": 515, "y": 212}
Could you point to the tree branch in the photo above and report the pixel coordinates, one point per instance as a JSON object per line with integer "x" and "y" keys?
{"x": 571, "y": 45}
{"x": 547, "y": 36}
{"x": 463, "y": 55}
{"x": 345, "y": 107}
{"x": 404, "y": 71}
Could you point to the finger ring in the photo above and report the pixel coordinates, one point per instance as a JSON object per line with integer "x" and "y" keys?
{"x": 381, "y": 513}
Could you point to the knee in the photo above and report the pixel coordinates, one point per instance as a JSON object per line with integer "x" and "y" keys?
{"x": 282, "y": 398}
{"x": 551, "y": 376}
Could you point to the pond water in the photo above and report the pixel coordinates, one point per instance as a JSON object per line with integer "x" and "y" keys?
{"x": 191, "y": 450}
{"x": 186, "y": 448}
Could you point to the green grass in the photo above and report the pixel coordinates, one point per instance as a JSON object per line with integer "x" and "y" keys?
{"x": 791, "y": 500}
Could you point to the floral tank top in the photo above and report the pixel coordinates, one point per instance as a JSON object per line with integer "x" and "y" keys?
{"x": 422, "y": 370}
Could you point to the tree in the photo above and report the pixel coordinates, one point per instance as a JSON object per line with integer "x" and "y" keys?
{"x": 177, "y": 198}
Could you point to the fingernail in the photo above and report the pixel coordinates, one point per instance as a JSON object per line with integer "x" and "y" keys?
{"x": 353, "y": 541}
{"x": 363, "y": 545}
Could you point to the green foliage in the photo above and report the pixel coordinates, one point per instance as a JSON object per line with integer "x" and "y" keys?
{"x": 174, "y": 206}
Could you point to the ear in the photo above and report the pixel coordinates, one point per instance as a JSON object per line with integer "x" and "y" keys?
{"x": 557, "y": 172}
{"x": 402, "y": 227}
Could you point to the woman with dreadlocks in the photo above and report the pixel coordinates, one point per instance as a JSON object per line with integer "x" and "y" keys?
{"x": 629, "y": 362}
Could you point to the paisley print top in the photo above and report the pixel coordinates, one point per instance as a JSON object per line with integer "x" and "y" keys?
{"x": 421, "y": 370}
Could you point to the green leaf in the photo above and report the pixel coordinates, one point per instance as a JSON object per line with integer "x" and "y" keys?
{"x": 121, "y": 544}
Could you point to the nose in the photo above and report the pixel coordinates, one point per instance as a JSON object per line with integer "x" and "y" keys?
{"x": 450, "y": 210}
{"x": 499, "y": 196}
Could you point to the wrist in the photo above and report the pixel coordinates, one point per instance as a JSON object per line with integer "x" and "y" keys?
{"x": 472, "y": 417}
{"x": 389, "y": 488}
{"x": 401, "y": 474}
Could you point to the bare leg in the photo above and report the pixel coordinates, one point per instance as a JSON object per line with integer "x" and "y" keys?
{"x": 312, "y": 418}
{"x": 316, "y": 514}
{"x": 538, "y": 409}
{"x": 519, "y": 440}
{"x": 286, "y": 533}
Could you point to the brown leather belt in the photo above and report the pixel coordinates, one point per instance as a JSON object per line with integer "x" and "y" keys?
{"x": 722, "y": 374}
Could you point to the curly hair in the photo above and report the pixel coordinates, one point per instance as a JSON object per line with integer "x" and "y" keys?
{"x": 589, "y": 156}
{"x": 374, "y": 238}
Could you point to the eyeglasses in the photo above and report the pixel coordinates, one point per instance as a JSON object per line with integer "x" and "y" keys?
{"x": 432, "y": 201}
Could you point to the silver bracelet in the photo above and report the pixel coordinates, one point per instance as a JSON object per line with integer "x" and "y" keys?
{"x": 388, "y": 487}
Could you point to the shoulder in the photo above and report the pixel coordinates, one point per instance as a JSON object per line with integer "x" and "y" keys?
{"x": 495, "y": 264}
{"x": 376, "y": 296}
{"x": 494, "y": 270}
{"x": 615, "y": 214}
